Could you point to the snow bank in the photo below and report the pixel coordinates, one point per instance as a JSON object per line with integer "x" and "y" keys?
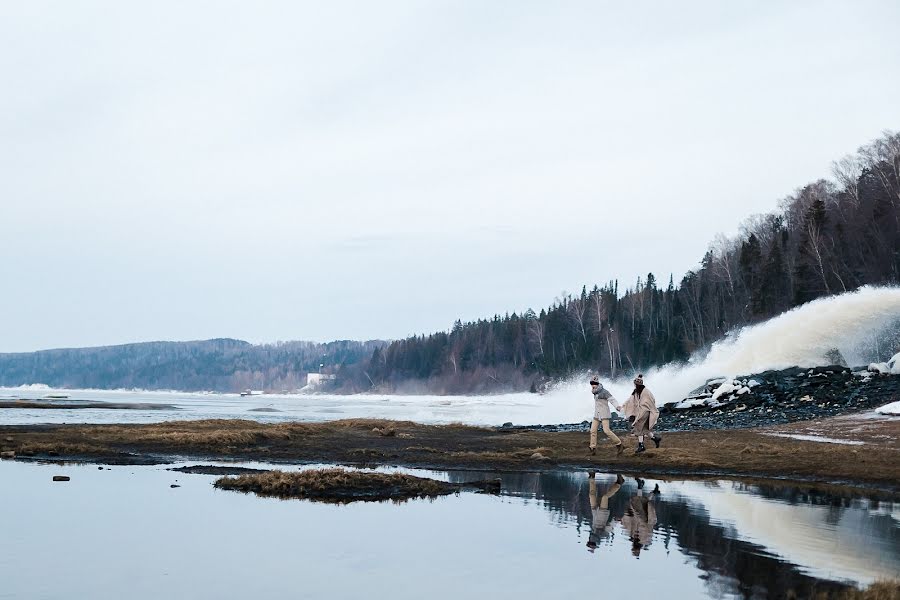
{"x": 891, "y": 367}
{"x": 889, "y": 409}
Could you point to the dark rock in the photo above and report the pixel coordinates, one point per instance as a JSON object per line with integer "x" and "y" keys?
{"x": 174, "y": 485}
{"x": 61, "y": 478}
{"x": 8, "y": 454}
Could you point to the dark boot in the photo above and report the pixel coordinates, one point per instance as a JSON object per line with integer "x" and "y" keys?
{"x": 619, "y": 449}
{"x": 640, "y": 483}
{"x": 656, "y": 489}
{"x": 620, "y": 480}
{"x": 640, "y": 448}
{"x": 657, "y": 439}
{"x": 593, "y": 451}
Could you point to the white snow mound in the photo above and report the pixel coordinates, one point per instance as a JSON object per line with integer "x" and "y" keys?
{"x": 889, "y": 409}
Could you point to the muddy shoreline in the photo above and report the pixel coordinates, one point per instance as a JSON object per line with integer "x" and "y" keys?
{"x": 871, "y": 465}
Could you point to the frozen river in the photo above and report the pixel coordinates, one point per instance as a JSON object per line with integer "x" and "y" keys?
{"x": 563, "y": 406}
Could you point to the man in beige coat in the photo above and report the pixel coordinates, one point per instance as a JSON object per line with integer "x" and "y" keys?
{"x": 641, "y": 411}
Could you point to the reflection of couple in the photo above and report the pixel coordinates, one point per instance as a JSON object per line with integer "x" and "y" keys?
{"x": 639, "y": 518}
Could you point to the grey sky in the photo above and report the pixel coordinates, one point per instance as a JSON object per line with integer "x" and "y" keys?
{"x": 287, "y": 170}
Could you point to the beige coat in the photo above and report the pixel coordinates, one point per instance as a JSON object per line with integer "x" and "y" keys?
{"x": 640, "y": 520}
{"x": 644, "y": 410}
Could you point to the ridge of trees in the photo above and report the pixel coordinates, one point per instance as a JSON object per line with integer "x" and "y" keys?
{"x": 223, "y": 365}
{"x": 827, "y": 237}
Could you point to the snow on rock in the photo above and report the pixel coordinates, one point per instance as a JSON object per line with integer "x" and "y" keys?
{"x": 889, "y": 409}
{"x": 891, "y": 367}
{"x": 725, "y": 388}
{"x": 691, "y": 402}
{"x": 894, "y": 364}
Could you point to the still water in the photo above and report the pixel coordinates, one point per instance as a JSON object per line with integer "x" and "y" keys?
{"x": 123, "y": 532}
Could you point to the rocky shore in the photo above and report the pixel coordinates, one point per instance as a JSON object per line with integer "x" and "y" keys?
{"x": 766, "y": 399}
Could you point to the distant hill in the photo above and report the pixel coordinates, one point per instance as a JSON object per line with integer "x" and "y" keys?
{"x": 223, "y": 365}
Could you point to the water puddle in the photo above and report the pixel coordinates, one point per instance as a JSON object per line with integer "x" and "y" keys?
{"x": 124, "y": 532}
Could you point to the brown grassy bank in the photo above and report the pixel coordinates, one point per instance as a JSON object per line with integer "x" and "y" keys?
{"x": 749, "y": 452}
{"x": 881, "y": 590}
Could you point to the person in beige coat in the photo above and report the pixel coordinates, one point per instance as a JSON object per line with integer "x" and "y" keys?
{"x": 639, "y": 519}
{"x": 641, "y": 411}
{"x": 602, "y": 414}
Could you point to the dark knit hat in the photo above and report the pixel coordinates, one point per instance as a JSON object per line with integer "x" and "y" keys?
{"x": 595, "y": 381}
{"x": 639, "y": 380}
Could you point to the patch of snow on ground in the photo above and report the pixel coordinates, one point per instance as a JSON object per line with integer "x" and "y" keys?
{"x": 817, "y": 438}
{"x": 889, "y": 409}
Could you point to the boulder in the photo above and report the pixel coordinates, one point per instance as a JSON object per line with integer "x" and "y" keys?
{"x": 8, "y": 454}
{"x": 61, "y": 478}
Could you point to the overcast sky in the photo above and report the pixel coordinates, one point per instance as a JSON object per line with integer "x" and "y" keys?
{"x": 330, "y": 170}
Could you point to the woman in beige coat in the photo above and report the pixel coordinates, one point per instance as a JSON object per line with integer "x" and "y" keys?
{"x": 641, "y": 411}
{"x": 639, "y": 519}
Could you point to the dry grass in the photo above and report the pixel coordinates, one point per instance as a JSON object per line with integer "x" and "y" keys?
{"x": 881, "y": 590}
{"x": 363, "y": 441}
{"x": 336, "y": 485}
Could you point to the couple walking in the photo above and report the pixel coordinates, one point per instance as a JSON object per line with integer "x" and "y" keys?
{"x": 640, "y": 410}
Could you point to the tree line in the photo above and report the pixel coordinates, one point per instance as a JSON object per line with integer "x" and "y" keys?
{"x": 827, "y": 237}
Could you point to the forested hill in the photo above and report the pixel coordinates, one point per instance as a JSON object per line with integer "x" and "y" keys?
{"x": 223, "y": 365}
{"x": 826, "y": 238}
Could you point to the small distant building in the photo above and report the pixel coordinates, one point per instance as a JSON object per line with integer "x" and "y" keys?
{"x": 314, "y": 380}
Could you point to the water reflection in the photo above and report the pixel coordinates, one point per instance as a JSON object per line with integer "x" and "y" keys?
{"x": 601, "y": 517}
{"x": 639, "y": 519}
{"x": 123, "y": 531}
{"x": 750, "y": 540}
